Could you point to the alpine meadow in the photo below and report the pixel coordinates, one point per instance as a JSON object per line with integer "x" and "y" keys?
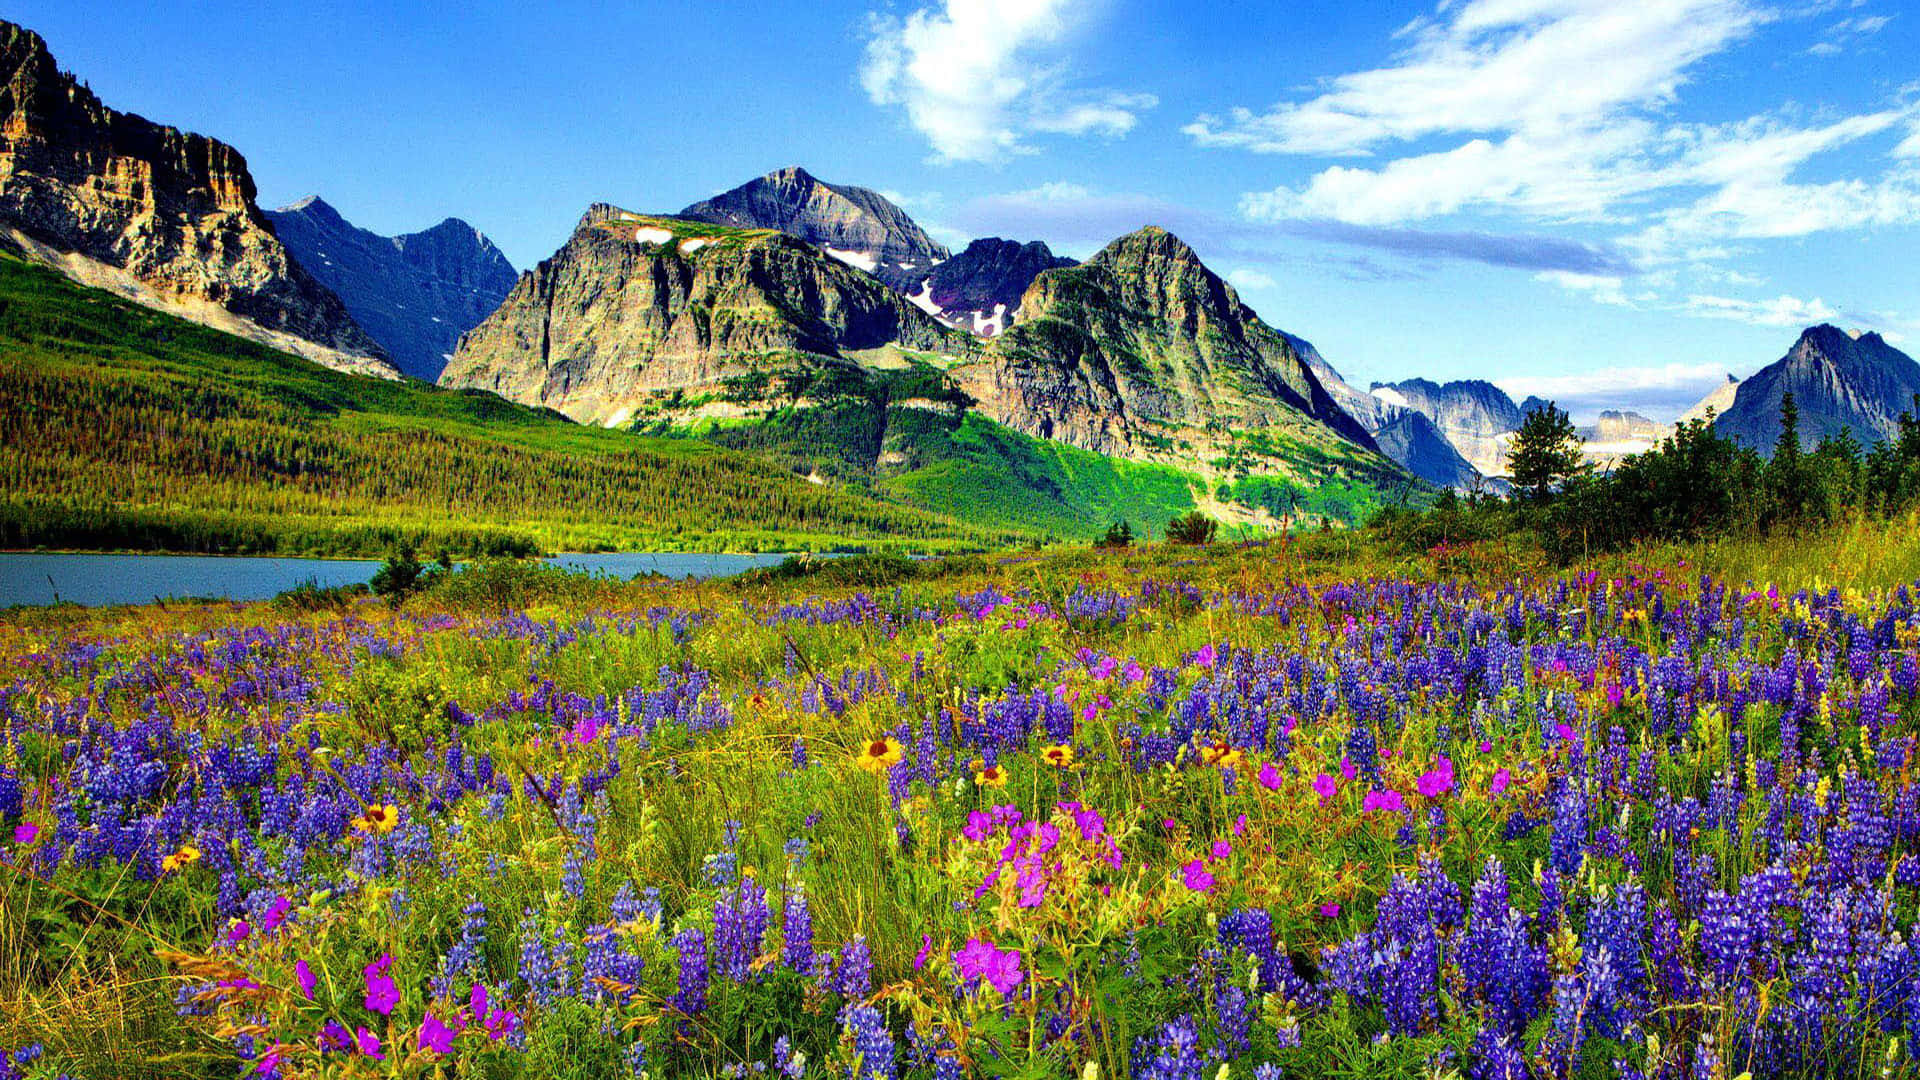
{"x": 949, "y": 629}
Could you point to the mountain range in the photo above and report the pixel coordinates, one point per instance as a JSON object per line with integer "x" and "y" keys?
{"x": 818, "y": 325}
{"x": 415, "y": 294}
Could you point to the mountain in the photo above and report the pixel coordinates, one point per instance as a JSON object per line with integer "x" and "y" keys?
{"x": 1841, "y": 382}
{"x": 1142, "y": 351}
{"x": 415, "y": 294}
{"x": 979, "y": 290}
{"x": 1135, "y": 386}
{"x": 159, "y": 216}
{"x": 638, "y": 313}
{"x": 859, "y": 227}
{"x": 1617, "y": 435}
{"x": 1719, "y": 400}
{"x": 1475, "y": 416}
{"x": 1405, "y": 435}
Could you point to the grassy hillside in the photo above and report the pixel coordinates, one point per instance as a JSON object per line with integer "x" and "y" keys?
{"x": 905, "y": 435}
{"x": 126, "y": 428}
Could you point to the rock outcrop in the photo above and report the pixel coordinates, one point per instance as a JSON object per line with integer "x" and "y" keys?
{"x": 979, "y": 289}
{"x": 1477, "y": 417}
{"x": 634, "y": 310}
{"x": 1617, "y": 435}
{"x": 1405, "y": 435}
{"x": 859, "y": 227}
{"x": 1717, "y": 401}
{"x": 1840, "y": 382}
{"x": 415, "y": 294}
{"x": 163, "y": 217}
{"x": 1143, "y": 352}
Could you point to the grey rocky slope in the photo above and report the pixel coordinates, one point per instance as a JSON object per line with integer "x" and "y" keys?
{"x": 1405, "y": 435}
{"x": 979, "y": 289}
{"x": 1840, "y": 382}
{"x": 163, "y": 217}
{"x": 415, "y": 294}
{"x": 853, "y": 224}
{"x": 1476, "y": 416}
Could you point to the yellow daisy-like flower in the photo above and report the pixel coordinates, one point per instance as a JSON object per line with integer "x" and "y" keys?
{"x": 185, "y": 857}
{"x": 1220, "y": 754}
{"x": 1059, "y": 755}
{"x": 879, "y": 754}
{"x": 379, "y": 818}
{"x": 992, "y": 776}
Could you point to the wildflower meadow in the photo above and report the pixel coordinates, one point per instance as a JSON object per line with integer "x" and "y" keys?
{"x": 1175, "y": 815}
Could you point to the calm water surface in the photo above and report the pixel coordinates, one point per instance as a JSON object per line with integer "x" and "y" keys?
{"x": 37, "y": 578}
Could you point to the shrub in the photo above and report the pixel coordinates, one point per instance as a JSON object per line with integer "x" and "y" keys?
{"x": 1193, "y": 528}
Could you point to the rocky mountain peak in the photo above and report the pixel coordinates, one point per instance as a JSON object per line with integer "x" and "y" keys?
{"x": 163, "y": 217}
{"x": 1839, "y": 381}
{"x": 858, "y": 226}
{"x": 979, "y": 290}
{"x": 415, "y": 293}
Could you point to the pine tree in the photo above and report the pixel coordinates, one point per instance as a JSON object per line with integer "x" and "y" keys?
{"x": 1545, "y": 452}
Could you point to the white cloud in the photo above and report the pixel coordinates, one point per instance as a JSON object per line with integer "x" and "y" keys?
{"x": 1847, "y": 32}
{"x": 1247, "y": 277}
{"x": 1491, "y": 66}
{"x": 1783, "y": 311}
{"x": 978, "y": 77}
{"x": 1660, "y": 392}
{"x": 1480, "y": 112}
{"x": 1603, "y": 288}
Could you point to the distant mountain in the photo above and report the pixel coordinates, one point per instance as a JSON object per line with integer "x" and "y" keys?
{"x": 1840, "y": 382}
{"x": 1617, "y": 435}
{"x": 1405, "y": 435}
{"x": 1719, "y": 400}
{"x": 1476, "y": 416}
{"x": 979, "y": 290}
{"x": 159, "y": 216}
{"x": 1143, "y": 351}
{"x": 415, "y": 294}
{"x": 636, "y": 311}
{"x": 859, "y": 227}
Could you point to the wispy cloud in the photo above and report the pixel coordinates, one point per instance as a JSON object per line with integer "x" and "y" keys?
{"x": 979, "y": 78}
{"x": 1783, "y": 311}
{"x": 1078, "y": 220}
{"x": 1602, "y": 150}
{"x": 1660, "y": 392}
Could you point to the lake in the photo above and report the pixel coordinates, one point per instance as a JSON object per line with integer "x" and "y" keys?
{"x": 43, "y": 578}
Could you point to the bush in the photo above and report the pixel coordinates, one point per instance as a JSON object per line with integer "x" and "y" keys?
{"x": 866, "y": 571}
{"x": 1193, "y": 528}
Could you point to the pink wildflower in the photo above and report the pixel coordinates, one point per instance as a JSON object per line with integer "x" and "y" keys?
{"x": 1269, "y": 777}
{"x": 382, "y": 994}
{"x": 1195, "y": 877}
{"x": 1325, "y": 787}
{"x": 435, "y": 1035}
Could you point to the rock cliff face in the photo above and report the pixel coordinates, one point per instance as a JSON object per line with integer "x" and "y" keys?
{"x": 634, "y": 310}
{"x": 979, "y": 290}
{"x": 1143, "y": 352}
{"x": 1617, "y": 435}
{"x": 1477, "y": 417}
{"x": 1719, "y": 400}
{"x": 163, "y": 217}
{"x": 857, "y": 226}
{"x": 1405, "y": 435}
{"x": 414, "y": 294}
{"x": 1840, "y": 382}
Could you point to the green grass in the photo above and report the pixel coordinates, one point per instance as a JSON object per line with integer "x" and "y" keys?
{"x": 126, "y": 428}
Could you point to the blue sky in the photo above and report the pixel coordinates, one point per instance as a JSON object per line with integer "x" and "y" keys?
{"x": 1598, "y": 201}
